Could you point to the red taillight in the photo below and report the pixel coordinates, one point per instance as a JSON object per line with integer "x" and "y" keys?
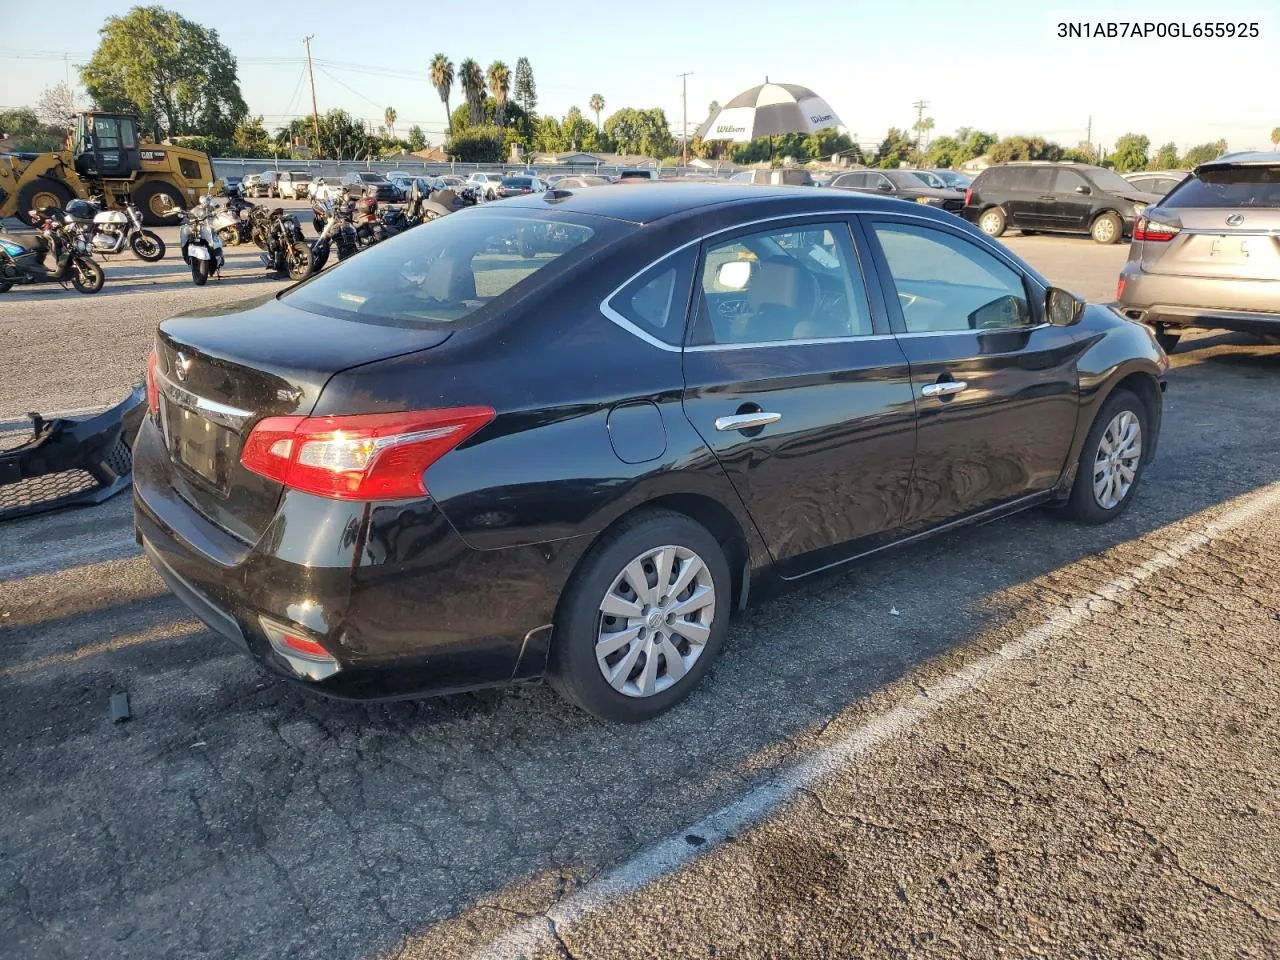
{"x": 1154, "y": 231}
{"x": 968, "y": 196}
{"x": 374, "y": 456}
{"x": 153, "y": 388}
{"x": 1120, "y": 288}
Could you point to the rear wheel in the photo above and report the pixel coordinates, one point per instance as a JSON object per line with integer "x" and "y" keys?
{"x": 992, "y": 222}
{"x": 1107, "y": 229}
{"x": 642, "y": 619}
{"x": 1168, "y": 341}
{"x": 5, "y": 286}
{"x": 1111, "y": 462}
{"x": 151, "y": 199}
{"x": 87, "y": 276}
{"x": 39, "y": 193}
{"x": 147, "y": 246}
{"x": 298, "y": 261}
{"x": 199, "y": 271}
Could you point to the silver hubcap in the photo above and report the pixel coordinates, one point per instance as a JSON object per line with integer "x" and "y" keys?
{"x": 991, "y": 223}
{"x": 655, "y": 621}
{"x": 1115, "y": 466}
{"x": 1104, "y": 230}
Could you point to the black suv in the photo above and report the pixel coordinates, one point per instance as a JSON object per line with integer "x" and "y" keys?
{"x": 1060, "y": 197}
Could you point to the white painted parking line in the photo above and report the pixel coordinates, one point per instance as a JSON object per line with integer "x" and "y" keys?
{"x": 90, "y": 553}
{"x": 675, "y": 851}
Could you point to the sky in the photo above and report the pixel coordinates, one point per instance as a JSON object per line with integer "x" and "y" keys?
{"x": 995, "y": 66}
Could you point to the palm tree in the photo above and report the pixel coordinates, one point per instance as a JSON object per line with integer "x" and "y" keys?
{"x": 499, "y": 87}
{"x": 389, "y": 115}
{"x": 596, "y": 103}
{"x": 472, "y": 79}
{"x": 442, "y": 80}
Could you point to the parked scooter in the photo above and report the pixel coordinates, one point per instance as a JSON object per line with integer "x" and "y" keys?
{"x": 230, "y": 223}
{"x": 201, "y": 246}
{"x": 24, "y": 261}
{"x": 336, "y": 232}
{"x": 109, "y": 232}
{"x": 284, "y": 249}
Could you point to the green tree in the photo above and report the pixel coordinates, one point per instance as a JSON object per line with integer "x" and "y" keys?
{"x": 471, "y": 78}
{"x": 1024, "y": 148}
{"x": 389, "y": 118}
{"x": 478, "y": 144}
{"x": 640, "y": 131}
{"x": 713, "y": 108}
{"x": 596, "y": 105}
{"x": 1202, "y": 153}
{"x": 973, "y": 143}
{"x": 575, "y": 129}
{"x": 821, "y": 144}
{"x": 922, "y": 127}
{"x": 548, "y": 136}
{"x": 526, "y": 91}
{"x": 442, "y": 80}
{"x": 1131, "y": 152}
{"x": 342, "y": 137}
{"x": 171, "y": 72}
{"x": 250, "y": 138}
{"x": 1166, "y": 157}
{"x": 417, "y": 139}
{"x": 499, "y": 87}
{"x": 894, "y": 149}
{"x": 26, "y": 131}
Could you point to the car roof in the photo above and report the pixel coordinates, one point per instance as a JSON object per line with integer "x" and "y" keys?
{"x": 1245, "y": 158}
{"x": 660, "y": 200}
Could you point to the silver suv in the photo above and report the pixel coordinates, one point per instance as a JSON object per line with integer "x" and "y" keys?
{"x": 1208, "y": 254}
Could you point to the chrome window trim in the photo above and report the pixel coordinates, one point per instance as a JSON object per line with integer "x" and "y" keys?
{"x": 220, "y": 413}
{"x": 807, "y": 342}
{"x": 956, "y": 333}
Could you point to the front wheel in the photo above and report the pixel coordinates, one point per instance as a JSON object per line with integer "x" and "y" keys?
{"x": 87, "y": 276}
{"x": 147, "y": 246}
{"x": 992, "y": 222}
{"x": 1111, "y": 462}
{"x": 229, "y": 236}
{"x": 299, "y": 261}
{"x": 642, "y": 619}
{"x": 5, "y": 286}
{"x": 318, "y": 260}
{"x": 1107, "y": 229}
{"x": 199, "y": 271}
{"x": 259, "y": 238}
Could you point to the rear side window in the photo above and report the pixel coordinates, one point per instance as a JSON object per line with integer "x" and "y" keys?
{"x": 1230, "y": 187}
{"x": 442, "y": 271}
{"x": 657, "y": 301}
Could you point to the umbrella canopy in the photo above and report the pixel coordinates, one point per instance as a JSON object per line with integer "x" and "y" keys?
{"x": 768, "y": 110}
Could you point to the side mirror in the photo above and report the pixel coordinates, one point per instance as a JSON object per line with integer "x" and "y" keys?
{"x": 734, "y": 275}
{"x": 887, "y": 188}
{"x": 1082, "y": 189}
{"x": 1062, "y": 308}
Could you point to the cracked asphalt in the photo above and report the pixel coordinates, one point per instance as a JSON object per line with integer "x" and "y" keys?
{"x": 1112, "y": 794}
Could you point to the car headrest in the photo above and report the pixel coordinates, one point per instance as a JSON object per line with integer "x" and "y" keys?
{"x": 449, "y": 279}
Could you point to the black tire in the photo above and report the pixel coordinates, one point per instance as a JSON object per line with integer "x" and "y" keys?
{"x": 574, "y": 671}
{"x": 42, "y": 192}
{"x": 1029, "y": 233}
{"x": 1107, "y": 229}
{"x": 317, "y": 225}
{"x": 199, "y": 271}
{"x": 148, "y": 200}
{"x": 87, "y": 276}
{"x": 259, "y": 238}
{"x": 993, "y": 222}
{"x": 229, "y": 236}
{"x": 5, "y": 286}
{"x": 318, "y": 261}
{"x": 1083, "y": 505}
{"x": 147, "y": 246}
{"x": 298, "y": 261}
{"x": 1168, "y": 341}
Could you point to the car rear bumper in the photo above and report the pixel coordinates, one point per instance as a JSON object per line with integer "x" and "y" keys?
{"x": 394, "y": 595}
{"x": 1249, "y": 306}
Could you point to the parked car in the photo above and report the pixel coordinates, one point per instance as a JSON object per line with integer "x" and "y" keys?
{"x": 268, "y": 184}
{"x": 1159, "y": 182}
{"x": 327, "y": 188}
{"x": 409, "y": 475}
{"x": 950, "y": 179}
{"x": 640, "y": 174}
{"x": 293, "y": 184}
{"x": 232, "y": 185}
{"x": 249, "y": 186}
{"x": 486, "y": 184}
{"x": 1058, "y": 197}
{"x": 783, "y": 176}
{"x": 1208, "y": 255}
{"x": 903, "y": 184}
{"x": 516, "y": 185}
{"x": 374, "y": 186}
{"x": 452, "y": 182}
{"x": 579, "y": 183}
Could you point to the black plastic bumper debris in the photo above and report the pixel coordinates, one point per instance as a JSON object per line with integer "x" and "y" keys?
{"x": 68, "y": 461}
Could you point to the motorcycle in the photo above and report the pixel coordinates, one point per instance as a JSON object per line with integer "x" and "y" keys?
{"x": 23, "y": 261}
{"x": 368, "y": 223}
{"x": 284, "y": 249}
{"x": 336, "y": 231}
{"x": 228, "y": 222}
{"x": 109, "y": 232}
{"x": 201, "y": 246}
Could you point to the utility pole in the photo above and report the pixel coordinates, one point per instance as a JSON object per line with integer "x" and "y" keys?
{"x": 920, "y": 107}
{"x": 315, "y": 113}
{"x": 1088, "y": 136}
{"x": 684, "y": 120}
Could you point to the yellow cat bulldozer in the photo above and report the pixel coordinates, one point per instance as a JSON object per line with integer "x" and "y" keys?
{"x": 105, "y": 158}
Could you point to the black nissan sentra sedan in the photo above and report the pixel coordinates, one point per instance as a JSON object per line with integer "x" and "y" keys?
{"x": 570, "y": 434}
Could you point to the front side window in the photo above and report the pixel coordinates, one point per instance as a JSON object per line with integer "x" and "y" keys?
{"x": 787, "y": 284}
{"x": 1066, "y": 181}
{"x": 106, "y": 131}
{"x": 945, "y": 283}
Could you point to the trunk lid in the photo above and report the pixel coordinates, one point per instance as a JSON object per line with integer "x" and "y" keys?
{"x": 223, "y": 369}
{"x": 1228, "y": 242}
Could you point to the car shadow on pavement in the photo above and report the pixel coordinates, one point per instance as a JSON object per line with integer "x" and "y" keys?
{"x": 254, "y": 818}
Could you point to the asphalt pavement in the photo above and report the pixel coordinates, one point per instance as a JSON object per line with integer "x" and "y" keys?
{"x": 1025, "y": 739}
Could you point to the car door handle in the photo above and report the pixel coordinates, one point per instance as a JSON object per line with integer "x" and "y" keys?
{"x": 944, "y": 389}
{"x": 747, "y": 421}
{"x": 1049, "y": 198}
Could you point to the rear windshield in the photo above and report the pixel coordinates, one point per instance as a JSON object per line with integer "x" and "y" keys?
{"x": 371, "y": 177}
{"x": 1229, "y": 187}
{"x": 442, "y": 271}
{"x": 518, "y": 182}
